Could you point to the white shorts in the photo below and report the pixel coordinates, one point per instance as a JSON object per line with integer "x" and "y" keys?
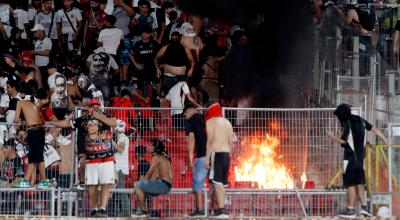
{"x": 99, "y": 173}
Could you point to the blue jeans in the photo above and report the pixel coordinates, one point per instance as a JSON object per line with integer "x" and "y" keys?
{"x": 199, "y": 174}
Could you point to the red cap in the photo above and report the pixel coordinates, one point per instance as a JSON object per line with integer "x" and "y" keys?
{"x": 215, "y": 110}
{"x": 94, "y": 101}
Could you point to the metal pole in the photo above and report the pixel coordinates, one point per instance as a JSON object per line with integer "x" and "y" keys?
{"x": 390, "y": 169}
{"x": 59, "y": 204}
{"x": 52, "y": 200}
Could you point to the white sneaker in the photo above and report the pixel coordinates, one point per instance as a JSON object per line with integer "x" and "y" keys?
{"x": 221, "y": 216}
{"x": 140, "y": 214}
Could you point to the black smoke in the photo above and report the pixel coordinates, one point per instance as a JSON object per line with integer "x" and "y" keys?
{"x": 280, "y": 35}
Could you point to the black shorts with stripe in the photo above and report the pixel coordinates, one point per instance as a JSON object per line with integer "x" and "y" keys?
{"x": 220, "y": 162}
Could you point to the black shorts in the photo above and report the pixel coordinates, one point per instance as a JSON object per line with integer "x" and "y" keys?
{"x": 220, "y": 162}
{"x": 354, "y": 173}
{"x": 36, "y": 144}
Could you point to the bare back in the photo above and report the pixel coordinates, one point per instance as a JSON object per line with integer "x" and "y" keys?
{"x": 163, "y": 169}
{"x": 219, "y": 134}
{"x": 30, "y": 112}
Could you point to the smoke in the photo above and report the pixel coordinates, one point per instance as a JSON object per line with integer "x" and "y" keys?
{"x": 280, "y": 41}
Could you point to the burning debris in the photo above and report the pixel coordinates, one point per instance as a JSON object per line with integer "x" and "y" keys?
{"x": 258, "y": 163}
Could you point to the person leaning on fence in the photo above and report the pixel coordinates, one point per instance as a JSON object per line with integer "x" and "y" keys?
{"x": 99, "y": 155}
{"x": 197, "y": 138}
{"x": 352, "y": 140}
{"x": 219, "y": 147}
{"x": 158, "y": 179}
{"x": 36, "y": 142}
{"x": 121, "y": 147}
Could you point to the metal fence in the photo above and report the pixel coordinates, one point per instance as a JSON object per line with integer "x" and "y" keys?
{"x": 27, "y": 202}
{"x": 281, "y": 159}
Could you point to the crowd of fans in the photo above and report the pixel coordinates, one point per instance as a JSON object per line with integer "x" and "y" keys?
{"x": 61, "y": 54}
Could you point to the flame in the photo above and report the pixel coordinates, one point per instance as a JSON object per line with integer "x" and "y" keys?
{"x": 257, "y": 164}
{"x": 303, "y": 179}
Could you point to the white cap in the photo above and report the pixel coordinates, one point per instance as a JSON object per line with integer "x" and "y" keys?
{"x": 186, "y": 30}
{"x": 120, "y": 126}
{"x": 38, "y": 27}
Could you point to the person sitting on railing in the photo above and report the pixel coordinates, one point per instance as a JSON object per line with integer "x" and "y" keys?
{"x": 157, "y": 180}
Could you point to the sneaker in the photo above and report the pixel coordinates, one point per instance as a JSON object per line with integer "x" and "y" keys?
{"x": 23, "y": 184}
{"x": 348, "y": 213}
{"x": 198, "y": 212}
{"x": 93, "y": 213}
{"x": 102, "y": 213}
{"x": 79, "y": 187}
{"x": 43, "y": 185}
{"x": 365, "y": 211}
{"x": 220, "y": 214}
{"x": 140, "y": 214}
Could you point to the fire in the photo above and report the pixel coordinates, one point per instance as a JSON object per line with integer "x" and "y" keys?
{"x": 257, "y": 163}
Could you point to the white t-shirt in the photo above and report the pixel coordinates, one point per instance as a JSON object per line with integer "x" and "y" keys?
{"x": 122, "y": 159}
{"x": 51, "y": 80}
{"x": 21, "y": 19}
{"x": 32, "y": 12}
{"x": 178, "y": 101}
{"x": 42, "y": 45}
{"x": 74, "y": 16}
{"x": 4, "y": 100}
{"x": 45, "y": 20}
{"x": 111, "y": 38}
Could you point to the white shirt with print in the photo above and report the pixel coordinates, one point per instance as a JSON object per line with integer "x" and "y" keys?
{"x": 51, "y": 80}
{"x": 74, "y": 16}
{"x": 45, "y": 20}
{"x": 32, "y": 12}
{"x": 42, "y": 45}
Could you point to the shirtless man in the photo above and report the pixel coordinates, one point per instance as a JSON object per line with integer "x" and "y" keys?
{"x": 36, "y": 142}
{"x": 157, "y": 180}
{"x": 219, "y": 145}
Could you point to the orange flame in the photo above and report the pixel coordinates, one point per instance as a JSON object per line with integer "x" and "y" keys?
{"x": 257, "y": 164}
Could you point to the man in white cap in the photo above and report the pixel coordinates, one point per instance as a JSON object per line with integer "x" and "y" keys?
{"x": 42, "y": 49}
{"x": 190, "y": 40}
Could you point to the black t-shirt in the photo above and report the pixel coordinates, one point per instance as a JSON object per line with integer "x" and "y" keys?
{"x": 81, "y": 133}
{"x": 358, "y": 126}
{"x": 145, "y": 52}
{"x": 143, "y": 167}
{"x": 196, "y": 125}
{"x": 11, "y": 169}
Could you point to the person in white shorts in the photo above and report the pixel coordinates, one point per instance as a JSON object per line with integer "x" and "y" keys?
{"x": 99, "y": 169}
